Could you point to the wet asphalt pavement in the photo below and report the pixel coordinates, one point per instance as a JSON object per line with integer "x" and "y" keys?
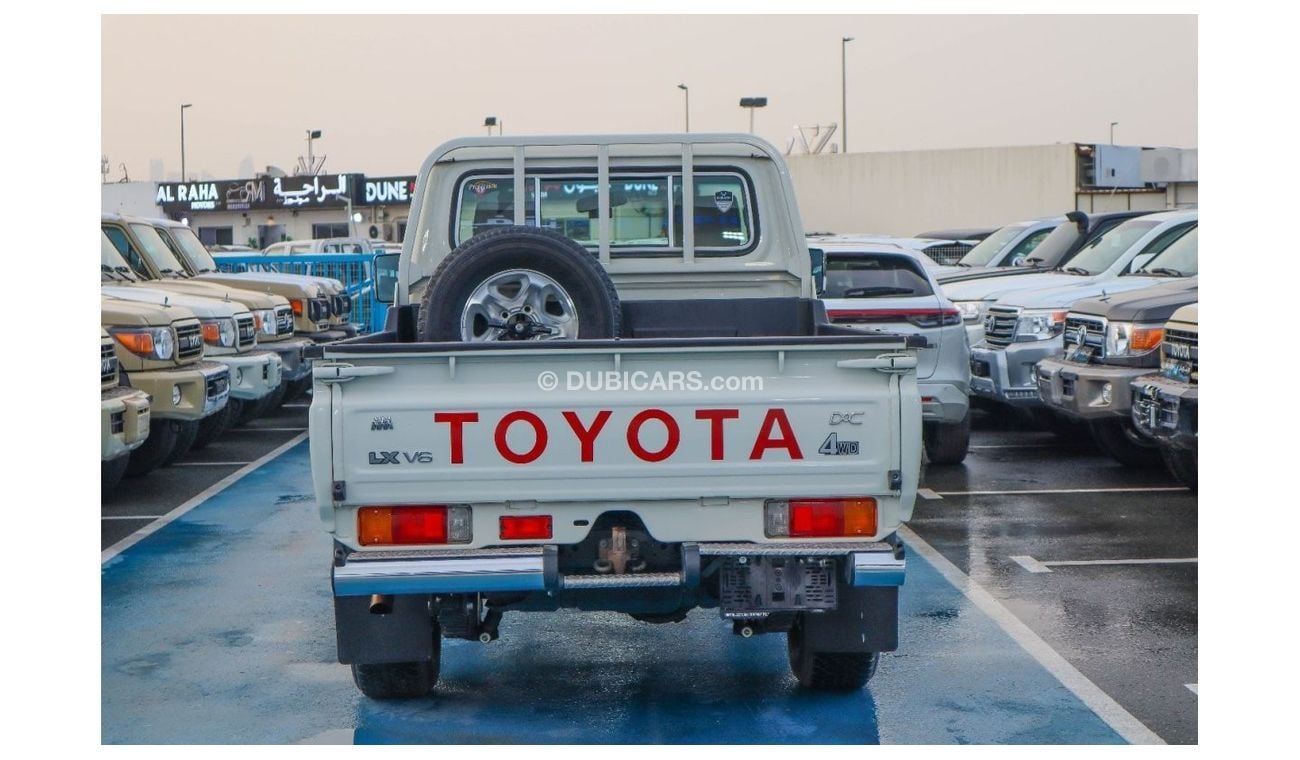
{"x": 218, "y": 627}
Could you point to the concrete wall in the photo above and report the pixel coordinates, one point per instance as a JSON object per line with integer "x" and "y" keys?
{"x": 906, "y": 192}
{"x": 133, "y": 198}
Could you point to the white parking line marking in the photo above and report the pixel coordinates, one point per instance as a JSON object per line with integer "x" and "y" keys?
{"x": 1169, "y": 561}
{"x": 1031, "y": 564}
{"x": 1153, "y": 489}
{"x": 209, "y": 464}
{"x": 1192, "y": 687}
{"x": 926, "y": 493}
{"x": 297, "y": 405}
{"x": 1045, "y": 566}
{"x": 1110, "y": 711}
{"x": 1018, "y": 446}
{"x": 130, "y": 517}
{"x": 212, "y": 490}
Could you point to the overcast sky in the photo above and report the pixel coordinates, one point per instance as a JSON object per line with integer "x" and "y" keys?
{"x": 385, "y": 90}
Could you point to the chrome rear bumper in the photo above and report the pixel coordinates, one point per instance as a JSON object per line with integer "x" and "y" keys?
{"x": 536, "y": 569}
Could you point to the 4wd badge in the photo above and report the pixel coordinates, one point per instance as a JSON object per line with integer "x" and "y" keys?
{"x": 834, "y": 447}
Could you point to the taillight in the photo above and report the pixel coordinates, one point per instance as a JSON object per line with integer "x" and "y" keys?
{"x": 918, "y": 317}
{"x": 525, "y": 526}
{"x": 820, "y": 518}
{"x": 430, "y": 524}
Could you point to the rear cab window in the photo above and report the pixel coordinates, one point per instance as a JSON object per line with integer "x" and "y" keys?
{"x": 645, "y": 210}
{"x": 873, "y": 275}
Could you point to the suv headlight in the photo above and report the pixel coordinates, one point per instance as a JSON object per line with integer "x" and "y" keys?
{"x": 971, "y": 311}
{"x": 1128, "y": 339}
{"x": 219, "y": 332}
{"x": 156, "y": 343}
{"x": 1041, "y": 324}
{"x": 265, "y": 319}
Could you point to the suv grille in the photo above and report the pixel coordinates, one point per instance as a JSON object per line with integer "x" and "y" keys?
{"x": 1179, "y": 355}
{"x": 283, "y": 320}
{"x": 189, "y": 341}
{"x": 947, "y": 253}
{"x": 218, "y": 385}
{"x": 1000, "y": 326}
{"x": 107, "y": 365}
{"x": 342, "y": 304}
{"x": 1085, "y": 337}
{"x": 245, "y": 331}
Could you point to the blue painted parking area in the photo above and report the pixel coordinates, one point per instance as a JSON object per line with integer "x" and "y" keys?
{"x": 218, "y": 628}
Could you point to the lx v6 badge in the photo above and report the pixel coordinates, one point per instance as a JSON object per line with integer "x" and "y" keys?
{"x": 396, "y": 457}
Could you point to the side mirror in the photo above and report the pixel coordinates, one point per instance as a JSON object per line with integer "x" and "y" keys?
{"x": 818, "y": 257}
{"x": 386, "y": 277}
{"x": 1141, "y": 260}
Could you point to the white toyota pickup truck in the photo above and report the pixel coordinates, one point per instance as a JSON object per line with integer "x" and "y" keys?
{"x": 607, "y": 384}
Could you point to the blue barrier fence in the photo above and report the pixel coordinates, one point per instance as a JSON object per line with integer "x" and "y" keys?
{"x": 355, "y": 270}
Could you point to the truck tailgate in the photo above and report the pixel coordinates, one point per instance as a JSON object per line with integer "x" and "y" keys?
{"x": 768, "y": 418}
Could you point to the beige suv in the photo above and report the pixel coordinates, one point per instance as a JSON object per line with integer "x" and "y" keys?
{"x": 123, "y": 416}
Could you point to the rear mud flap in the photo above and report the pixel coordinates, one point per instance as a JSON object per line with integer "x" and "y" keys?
{"x": 403, "y": 635}
{"x": 866, "y": 620}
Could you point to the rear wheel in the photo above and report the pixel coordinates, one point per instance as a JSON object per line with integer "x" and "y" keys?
{"x": 827, "y": 671}
{"x": 1182, "y": 463}
{"x": 947, "y": 442}
{"x": 1118, "y": 438}
{"x": 150, "y": 455}
{"x": 400, "y": 680}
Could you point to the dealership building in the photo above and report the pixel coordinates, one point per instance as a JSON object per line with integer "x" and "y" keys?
{"x": 895, "y": 193}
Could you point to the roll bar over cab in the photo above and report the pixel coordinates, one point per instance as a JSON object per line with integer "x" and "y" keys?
{"x": 725, "y": 447}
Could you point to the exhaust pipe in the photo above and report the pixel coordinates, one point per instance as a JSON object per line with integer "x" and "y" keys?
{"x": 381, "y": 604}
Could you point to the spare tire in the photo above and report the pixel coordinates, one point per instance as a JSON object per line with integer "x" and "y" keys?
{"x": 519, "y": 283}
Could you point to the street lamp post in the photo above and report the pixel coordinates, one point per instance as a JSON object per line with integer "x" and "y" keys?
{"x": 751, "y": 104}
{"x": 687, "y": 90}
{"x": 183, "y": 107}
{"x": 1112, "y": 132}
{"x": 844, "y": 95}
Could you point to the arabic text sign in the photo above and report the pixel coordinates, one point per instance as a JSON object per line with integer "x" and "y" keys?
{"x": 261, "y": 193}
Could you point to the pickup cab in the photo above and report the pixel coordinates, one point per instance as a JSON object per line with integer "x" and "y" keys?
{"x": 159, "y": 350}
{"x": 607, "y": 385}
{"x": 123, "y": 416}
{"x": 1164, "y": 403}
{"x": 1109, "y": 342}
{"x": 1027, "y": 325}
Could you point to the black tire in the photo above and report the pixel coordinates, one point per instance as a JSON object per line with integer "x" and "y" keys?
{"x": 251, "y": 410}
{"x": 296, "y": 388}
{"x": 150, "y": 455}
{"x": 186, "y": 432}
{"x": 947, "y": 442}
{"x": 277, "y": 396}
{"x": 111, "y": 472}
{"x": 211, "y": 427}
{"x": 400, "y": 680}
{"x": 549, "y": 253}
{"x": 1118, "y": 438}
{"x": 1182, "y": 464}
{"x": 828, "y": 671}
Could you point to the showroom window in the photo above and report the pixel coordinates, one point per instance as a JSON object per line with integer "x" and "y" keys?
{"x": 217, "y": 235}
{"x": 329, "y": 230}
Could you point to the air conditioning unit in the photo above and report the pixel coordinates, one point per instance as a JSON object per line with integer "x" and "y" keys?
{"x": 1117, "y": 166}
{"x": 1169, "y": 165}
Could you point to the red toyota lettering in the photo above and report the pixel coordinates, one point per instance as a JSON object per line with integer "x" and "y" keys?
{"x": 765, "y": 440}
{"x": 457, "y": 420}
{"x": 716, "y": 418}
{"x": 587, "y": 435}
{"x": 634, "y": 435}
{"x": 539, "y": 432}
